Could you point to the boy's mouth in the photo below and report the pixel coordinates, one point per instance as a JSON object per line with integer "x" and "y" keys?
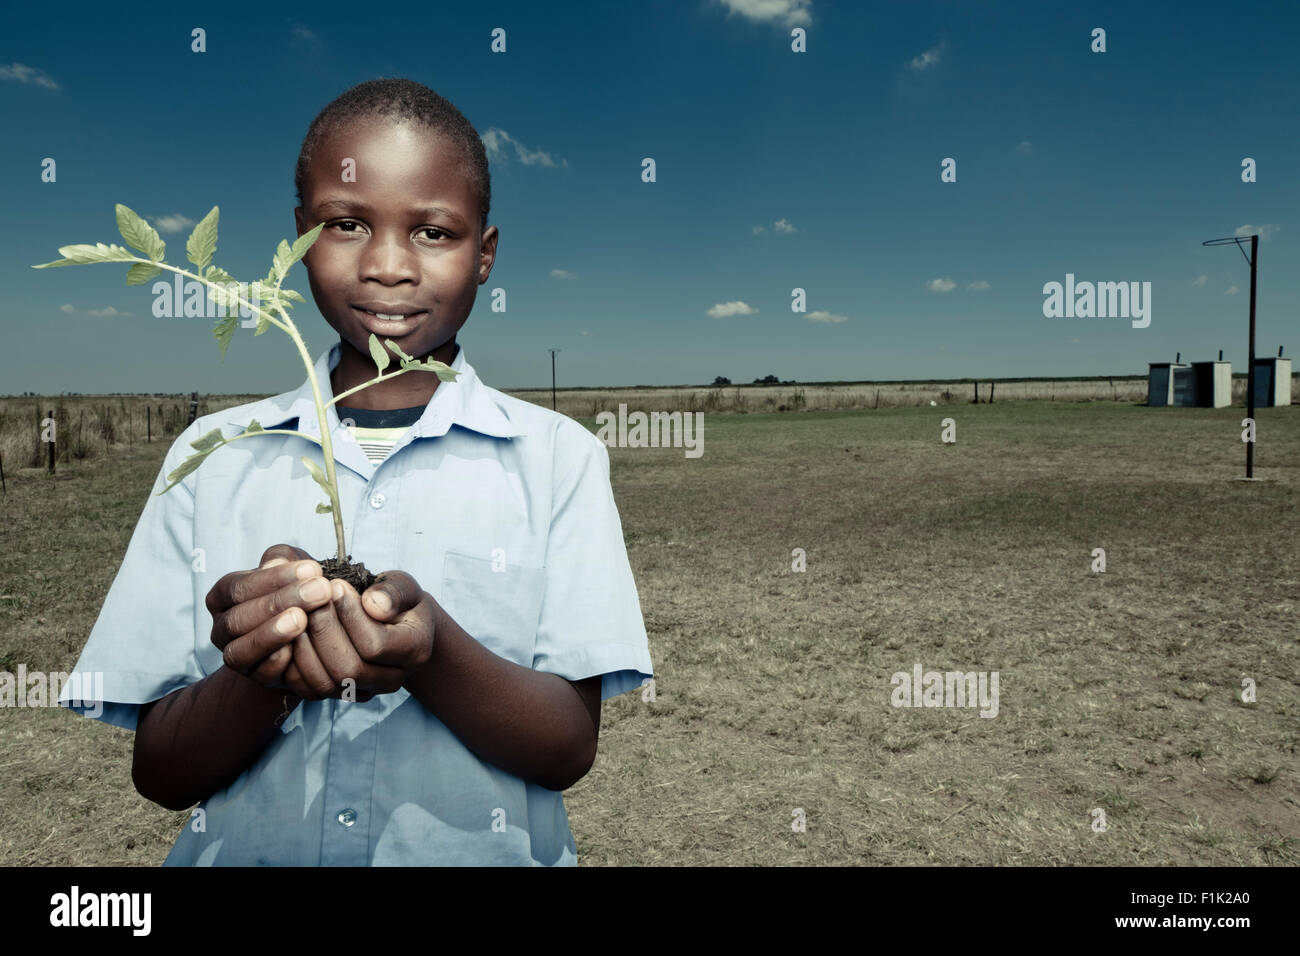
{"x": 389, "y": 323}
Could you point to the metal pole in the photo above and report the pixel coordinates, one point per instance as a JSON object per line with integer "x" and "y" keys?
{"x": 1250, "y": 373}
{"x": 553, "y": 351}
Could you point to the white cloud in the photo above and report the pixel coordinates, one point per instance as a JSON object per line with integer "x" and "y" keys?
{"x": 584, "y": 332}
{"x": 27, "y": 74}
{"x": 105, "y": 313}
{"x": 790, "y": 13}
{"x": 941, "y": 285}
{"x": 562, "y": 274}
{"x": 303, "y": 34}
{"x": 979, "y": 285}
{"x": 929, "y": 58}
{"x": 1200, "y": 280}
{"x": 1025, "y": 148}
{"x": 783, "y": 225}
{"x": 725, "y": 310}
{"x": 1265, "y": 232}
{"x": 760, "y": 230}
{"x": 825, "y": 317}
{"x": 174, "y": 223}
{"x": 1231, "y": 290}
{"x": 498, "y": 144}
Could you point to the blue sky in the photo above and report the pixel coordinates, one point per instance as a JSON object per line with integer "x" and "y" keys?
{"x": 775, "y": 170}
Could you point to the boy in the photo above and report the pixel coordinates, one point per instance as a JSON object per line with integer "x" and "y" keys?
{"x": 436, "y": 718}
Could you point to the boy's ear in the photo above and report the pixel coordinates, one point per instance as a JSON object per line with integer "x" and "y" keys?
{"x": 297, "y": 220}
{"x": 487, "y": 253}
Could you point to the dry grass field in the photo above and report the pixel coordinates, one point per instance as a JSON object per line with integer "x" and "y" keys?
{"x": 1119, "y": 691}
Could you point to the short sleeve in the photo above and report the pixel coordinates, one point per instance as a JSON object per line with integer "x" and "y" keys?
{"x": 141, "y": 647}
{"x": 591, "y": 616}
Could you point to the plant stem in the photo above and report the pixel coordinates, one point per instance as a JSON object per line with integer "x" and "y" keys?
{"x": 327, "y": 446}
{"x": 378, "y": 378}
{"x": 272, "y": 431}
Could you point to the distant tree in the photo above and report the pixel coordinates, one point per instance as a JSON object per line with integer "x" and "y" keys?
{"x": 767, "y": 380}
{"x": 722, "y": 380}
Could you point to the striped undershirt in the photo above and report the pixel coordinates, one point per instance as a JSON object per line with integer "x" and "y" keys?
{"x": 378, "y": 430}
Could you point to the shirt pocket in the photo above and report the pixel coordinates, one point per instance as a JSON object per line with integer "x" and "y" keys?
{"x": 498, "y": 608}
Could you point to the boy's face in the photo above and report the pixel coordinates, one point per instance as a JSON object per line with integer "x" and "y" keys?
{"x": 403, "y": 238}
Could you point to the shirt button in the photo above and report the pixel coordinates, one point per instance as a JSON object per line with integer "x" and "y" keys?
{"x": 377, "y": 500}
{"x": 347, "y": 817}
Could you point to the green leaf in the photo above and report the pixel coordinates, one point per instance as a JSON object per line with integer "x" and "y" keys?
{"x": 377, "y": 353}
{"x": 253, "y": 426}
{"x": 323, "y": 509}
{"x": 290, "y": 294}
{"x": 141, "y": 273}
{"x": 391, "y": 344}
{"x": 282, "y": 261}
{"x": 444, "y": 372}
{"x": 303, "y": 243}
{"x": 316, "y": 473}
{"x": 209, "y": 441}
{"x": 225, "y": 293}
{"x": 188, "y": 466}
{"x": 203, "y": 240}
{"x": 218, "y": 274}
{"x": 224, "y": 332}
{"x": 84, "y": 252}
{"x": 139, "y": 234}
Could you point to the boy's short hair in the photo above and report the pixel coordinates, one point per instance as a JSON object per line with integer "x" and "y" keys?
{"x": 401, "y": 99}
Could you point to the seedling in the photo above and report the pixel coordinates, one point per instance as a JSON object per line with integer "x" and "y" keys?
{"x": 225, "y": 291}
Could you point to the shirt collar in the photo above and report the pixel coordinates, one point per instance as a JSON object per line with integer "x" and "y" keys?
{"x": 466, "y": 402}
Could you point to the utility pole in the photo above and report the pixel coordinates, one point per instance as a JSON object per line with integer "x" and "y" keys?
{"x": 1250, "y": 375}
{"x": 1253, "y": 259}
{"x": 553, "y": 351}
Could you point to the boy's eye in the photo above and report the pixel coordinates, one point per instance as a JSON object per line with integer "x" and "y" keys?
{"x": 352, "y": 222}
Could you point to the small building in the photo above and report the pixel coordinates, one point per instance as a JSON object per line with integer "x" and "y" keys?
{"x": 1272, "y": 381}
{"x": 1211, "y": 385}
{"x": 1160, "y": 382}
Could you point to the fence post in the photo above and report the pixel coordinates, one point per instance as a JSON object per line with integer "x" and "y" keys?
{"x": 194, "y": 407}
{"x": 50, "y": 416}
{"x": 992, "y": 386}
{"x": 3, "y": 489}
{"x": 148, "y": 423}
{"x": 976, "y": 400}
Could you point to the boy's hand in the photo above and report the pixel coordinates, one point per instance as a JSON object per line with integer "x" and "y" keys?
{"x": 344, "y": 638}
{"x": 391, "y": 626}
{"x": 322, "y": 657}
{"x": 257, "y": 616}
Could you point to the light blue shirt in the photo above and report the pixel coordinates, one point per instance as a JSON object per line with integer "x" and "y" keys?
{"x": 500, "y": 509}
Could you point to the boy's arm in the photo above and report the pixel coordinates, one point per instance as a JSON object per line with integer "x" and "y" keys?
{"x": 527, "y": 722}
{"x": 199, "y": 739}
